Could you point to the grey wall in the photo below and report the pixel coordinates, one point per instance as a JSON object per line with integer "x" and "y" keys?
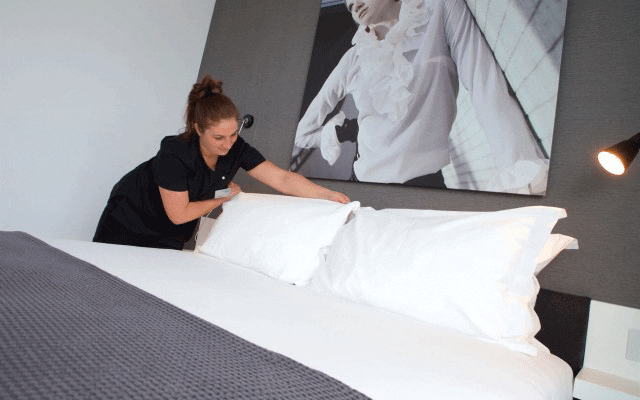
{"x": 261, "y": 50}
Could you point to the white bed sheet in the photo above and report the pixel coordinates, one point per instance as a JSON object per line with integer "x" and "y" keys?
{"x": 383, "y": 355}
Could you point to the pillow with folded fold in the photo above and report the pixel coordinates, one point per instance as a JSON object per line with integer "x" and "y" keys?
{"x": 280, "y": 236}
{"x": 470, "y": 271}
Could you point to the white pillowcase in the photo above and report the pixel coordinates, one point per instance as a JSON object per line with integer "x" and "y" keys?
{"x": 280, "y": 236}
{"x": 471, "y": 271}
{"x": 554, "y": 245}
{"x": 204, "y": 227}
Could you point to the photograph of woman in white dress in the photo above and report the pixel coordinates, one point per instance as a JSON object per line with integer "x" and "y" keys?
{"x": 398, "y": 91}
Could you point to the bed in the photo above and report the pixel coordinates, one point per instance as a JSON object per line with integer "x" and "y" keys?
{"x": 92, "y": 320}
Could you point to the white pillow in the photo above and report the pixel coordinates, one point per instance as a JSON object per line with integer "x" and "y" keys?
{"x": 470, "y": 271}
{"x": 554, "y": 245}
{"x": 204, "y": 227}
{"x": 280, "y": 236}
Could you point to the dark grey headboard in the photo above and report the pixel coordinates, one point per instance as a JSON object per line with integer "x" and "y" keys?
{"x": 261, "y": 50}
{"x": 564, "y": 319}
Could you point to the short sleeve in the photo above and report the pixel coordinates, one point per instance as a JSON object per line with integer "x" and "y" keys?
{"x": 170, "y": 172}
{"x": 250, "y": 157}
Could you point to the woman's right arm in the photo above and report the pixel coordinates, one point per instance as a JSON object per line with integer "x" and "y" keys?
{"x": 180, "y": 210}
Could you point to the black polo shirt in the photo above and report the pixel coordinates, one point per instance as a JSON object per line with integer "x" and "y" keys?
{"x": 178, "y": 166}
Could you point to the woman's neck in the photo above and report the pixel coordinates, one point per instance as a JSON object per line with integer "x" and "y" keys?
{"x": 210, "y": 159}
{"x": 388, "y": 20}
{"x": 381, "y": 29}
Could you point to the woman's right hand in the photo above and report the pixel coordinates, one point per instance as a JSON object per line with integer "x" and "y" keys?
{"x": 235, "y": 189}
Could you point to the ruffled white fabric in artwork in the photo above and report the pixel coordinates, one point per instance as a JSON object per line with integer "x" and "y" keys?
{"x": 385, "y": 73}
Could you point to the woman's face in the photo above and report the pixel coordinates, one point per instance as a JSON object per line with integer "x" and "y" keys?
{"x": 219, "y": 137}
{"x": 370, "y": 12}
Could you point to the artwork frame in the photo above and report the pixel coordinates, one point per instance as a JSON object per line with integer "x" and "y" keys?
{"x": 529, "y": 63}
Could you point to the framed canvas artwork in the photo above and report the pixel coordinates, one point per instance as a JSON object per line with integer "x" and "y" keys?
{"x": 448, "y": 94}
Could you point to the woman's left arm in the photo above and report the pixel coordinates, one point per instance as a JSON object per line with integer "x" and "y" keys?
{"x": 522, "y": 168}
{"x": 499, "y": 114}
{"x": 293, "y": 183}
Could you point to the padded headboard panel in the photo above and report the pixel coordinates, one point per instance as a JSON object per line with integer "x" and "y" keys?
{"x": 564, "y": 319}
{"x": 261, "y": 49}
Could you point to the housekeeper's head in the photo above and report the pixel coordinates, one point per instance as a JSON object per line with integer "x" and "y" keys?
{"x": 207, "y": 106}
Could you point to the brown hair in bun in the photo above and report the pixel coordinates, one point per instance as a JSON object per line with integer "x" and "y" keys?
{"x": 206, "y": 106}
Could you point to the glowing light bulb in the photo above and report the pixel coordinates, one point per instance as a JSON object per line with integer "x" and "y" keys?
{"x": 611, "y": 163}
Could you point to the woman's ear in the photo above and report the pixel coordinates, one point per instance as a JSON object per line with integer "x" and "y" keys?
{"x": 198, "y": 131}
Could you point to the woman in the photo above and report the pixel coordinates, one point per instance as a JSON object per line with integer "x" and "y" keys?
{"x": 403, "y": 72}
{"x": 159, "y": 203}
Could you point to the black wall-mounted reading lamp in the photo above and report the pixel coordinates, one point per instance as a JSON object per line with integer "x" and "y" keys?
{"x": 616, "y": 159}
{"x": 245, "y": 122}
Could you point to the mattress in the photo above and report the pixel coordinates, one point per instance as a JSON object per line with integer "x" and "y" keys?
{"x": 69, "y": 330}
{"x": 378, "y": 353}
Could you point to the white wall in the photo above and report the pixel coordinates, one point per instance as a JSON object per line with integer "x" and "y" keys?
{"x": 88, "y": 89}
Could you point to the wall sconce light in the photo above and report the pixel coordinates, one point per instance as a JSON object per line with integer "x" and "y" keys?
{"x": 616, "y": 159}
{"x": 247, "y": 120}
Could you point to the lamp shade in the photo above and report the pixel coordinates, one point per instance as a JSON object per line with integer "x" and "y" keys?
{"x": 616, "y": 159}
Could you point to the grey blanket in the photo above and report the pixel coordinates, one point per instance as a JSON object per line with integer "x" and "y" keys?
{"x": 69, "y": 330}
